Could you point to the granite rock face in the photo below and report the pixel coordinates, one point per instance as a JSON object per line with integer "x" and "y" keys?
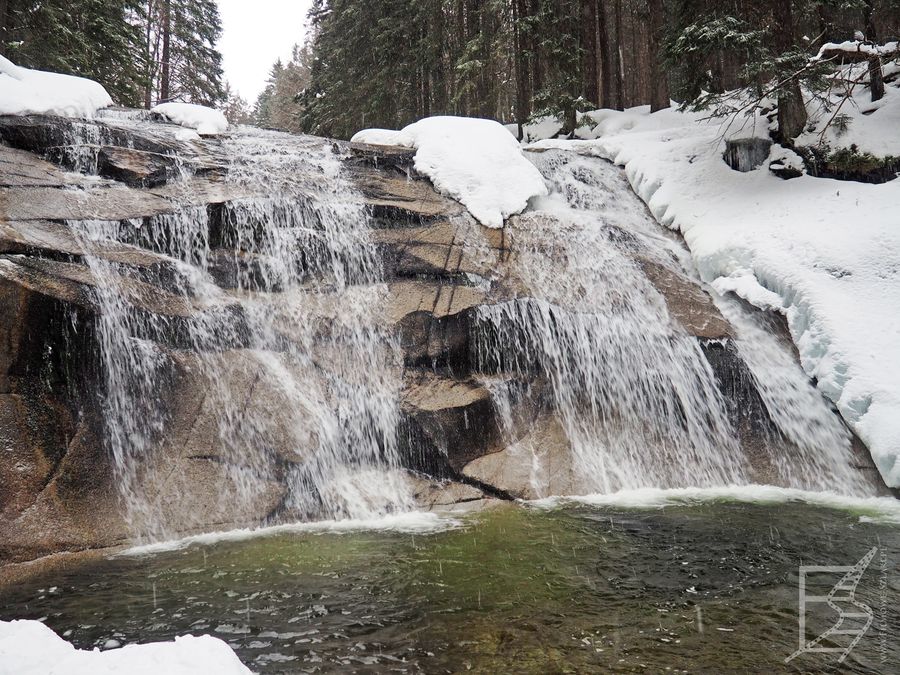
{"x": 57, "y": 482}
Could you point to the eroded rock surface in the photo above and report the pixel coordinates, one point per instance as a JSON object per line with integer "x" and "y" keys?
{"x": 57, "y": 484}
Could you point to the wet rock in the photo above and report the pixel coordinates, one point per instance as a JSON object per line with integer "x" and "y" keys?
{"x": 58, "y": 491}
{"x": 42, "y": 133}
{"x": 447, "y": 248}
{"x": 23, "y": 169}
{"x": 384, "y": 157}
{"x": 135, "y": 168}
{"x": 688, "y": 303}
{"x": 434, "y": 322}
{"x": 71, "y": 282}
{"x": 395, "y": 199}
{"x": 111, "y": 202}
{"x": 452, "y": 496}
{"x": 540, "y": 464}
{"x": 449, "y": 423}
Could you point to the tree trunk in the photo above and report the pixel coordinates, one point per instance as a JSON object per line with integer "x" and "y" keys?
{"x": 589, "y": 51}
{"x": 519, "y": 9}
{"x": 4, "y": 22}
{"x": 605, "y": 60}
{"x": 791, "y": 108}
{"x": 148, "y": 57}
{"x": 876, "y": 74}
{"x": 166, "y": 74}
{"x": 659, "y": 81}
{"x": 617, "y": 51}
{"x": 535, "y": 56}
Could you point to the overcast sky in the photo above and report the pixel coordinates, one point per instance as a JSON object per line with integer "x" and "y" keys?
{"x": 256, "y": 33}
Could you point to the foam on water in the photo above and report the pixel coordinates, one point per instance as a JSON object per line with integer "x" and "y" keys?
{"x": 879, "y": 509}
{"x": 412, "y": 522}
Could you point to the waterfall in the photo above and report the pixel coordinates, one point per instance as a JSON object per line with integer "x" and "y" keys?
{"x": 249, "y": 368}
{"x": 635, "y": 394}
{"x": 271, "y": 316}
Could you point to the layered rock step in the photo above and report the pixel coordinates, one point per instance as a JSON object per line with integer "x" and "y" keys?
{"x": 441, "y": 270}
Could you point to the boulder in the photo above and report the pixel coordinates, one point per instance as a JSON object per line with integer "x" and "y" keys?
{"x": 448, "y": 423}
{"x": 136, "y": 168}
{"x": 105, "y": 202}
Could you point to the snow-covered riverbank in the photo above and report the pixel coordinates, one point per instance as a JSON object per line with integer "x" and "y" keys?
{"x": 31, "y": 648}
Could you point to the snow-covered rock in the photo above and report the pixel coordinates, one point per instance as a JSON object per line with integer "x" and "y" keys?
{"x": 383, "y": 137}
{"x": 35, "y": 92}
{"x": 31, "y": 648}
{"x": 475, "y": 161}
{"x": 823, "y": 252}
{"x": 206, "y": 121}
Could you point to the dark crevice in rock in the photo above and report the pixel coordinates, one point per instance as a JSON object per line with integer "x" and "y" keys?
{"x": 486, "y": 488}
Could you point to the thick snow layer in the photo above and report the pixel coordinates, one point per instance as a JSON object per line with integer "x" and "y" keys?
{"x": 383, "y": 137}
{"x": 475, "y": 161}
{"x": 871, "y": 127}
{"x": 31, "y": 648}
{"x": 823, "y": 252}
{"x": 205, "y": 120}
{"x": 34, "y": 92}
{"x": 857, "y": 46}
{"x": 543, "y": 127}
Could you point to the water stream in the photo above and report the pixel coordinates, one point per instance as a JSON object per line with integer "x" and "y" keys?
{"x": 284, "y": 392}
{"x": 637, "y": 398}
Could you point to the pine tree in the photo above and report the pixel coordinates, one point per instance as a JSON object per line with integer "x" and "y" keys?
{"x": 236, "y": 109}
{"x": 98, "y": 39}
{"x": 181, "y": 59}
{"x": 280, "y": 105}
{"x": 390, "y": 62}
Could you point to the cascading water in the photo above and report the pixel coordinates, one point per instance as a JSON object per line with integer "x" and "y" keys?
{"x": 270, "y": 308}
{"x": 638, "y": 401}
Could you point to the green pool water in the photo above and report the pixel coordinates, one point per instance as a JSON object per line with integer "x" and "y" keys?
{"x": 709, "y": 587}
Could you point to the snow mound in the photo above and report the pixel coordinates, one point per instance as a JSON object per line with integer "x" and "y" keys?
{"x": 31, "y": 648}
{"x": 35, "y": 92}
{"x": 206, "y": 121}
{"x": 383, "y": 137}
{"x": 475, "y": 161}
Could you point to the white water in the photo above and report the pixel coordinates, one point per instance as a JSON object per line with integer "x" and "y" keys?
{"x": 411, "y": 522}
{"x": 288, "y": 396}
{"x": 879, "y": 509}
{"x": 297, "y": 380}
{"x": 638, "y": 401}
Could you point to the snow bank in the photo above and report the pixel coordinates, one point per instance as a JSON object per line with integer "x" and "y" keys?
{"x": 475, "y": 161}
{"x": 825, "y": 253}
{"x": 205, "y": 120}
{"x": 872, "y": 127}
{"x": 34, "y": 92}
{"x": 31, "y": 648}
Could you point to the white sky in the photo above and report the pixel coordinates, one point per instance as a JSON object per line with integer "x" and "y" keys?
{"x": 254, "y": 34}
